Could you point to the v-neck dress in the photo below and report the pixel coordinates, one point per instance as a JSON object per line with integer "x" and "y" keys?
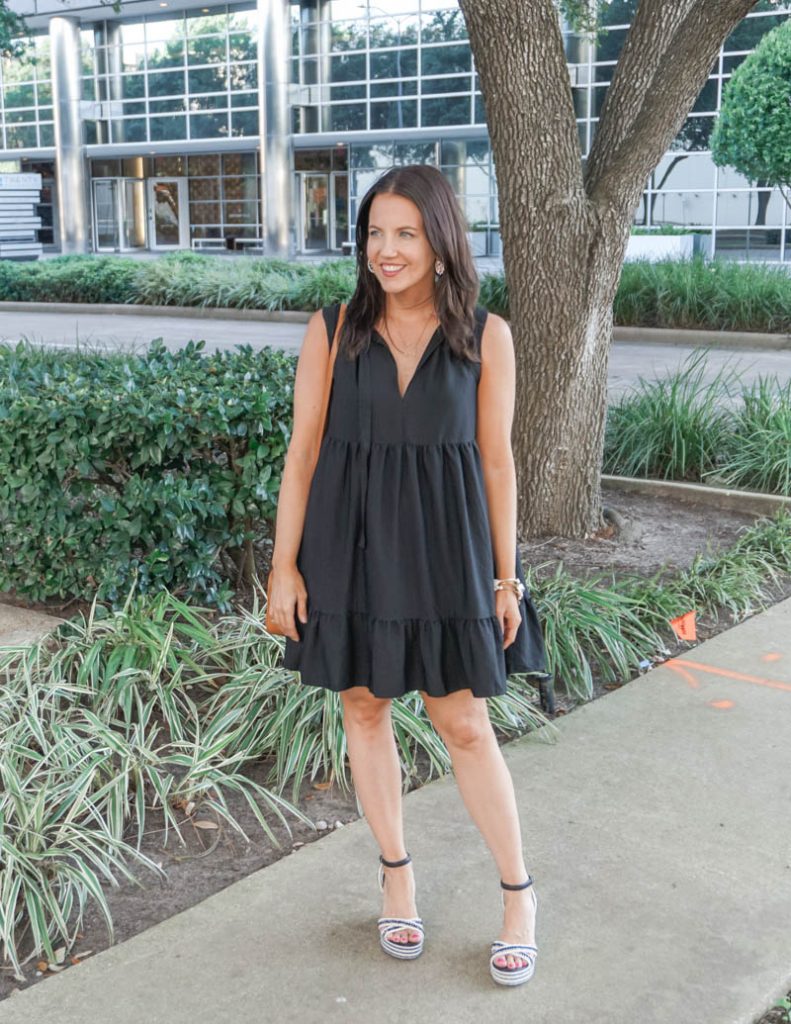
{"x": 396, "y": 550}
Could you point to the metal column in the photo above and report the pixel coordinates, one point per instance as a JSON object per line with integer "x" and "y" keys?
{"x": 64, "y": 34}
{"x": 275, "y": 127}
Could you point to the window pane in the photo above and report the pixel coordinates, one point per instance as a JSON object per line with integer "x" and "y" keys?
{"x": 239, "y": 163}
{"x": 204, "y": 164}
{"x": 166, "y": 83}
{"x": 458, "y": 83}
{"x": 415, "y": 153}
{"x": 394, "y": 64}
{"x": 707, "y": 100}
{"x": 374, "y": 155}
{"x": 381, "y": 90}
{"x": 395, "y": 114}
{"x": 240, "y": 188}
{"x": 206, "y": 50}
{"x": 208, "y": 126}
{"x": 207, "y": 80}
{"x": 205, "y": 213}
{"x": 244, "y": 122}
{"x": 217, "y": 102}
{"x": 166, "y": 54}
{"x": 19, "y": 96}
{"x": 168, "y": 166}
{"x": 242, "y": 47}
{"x": 347, "y": 68}
{"x": 344, "y": 117}
{"x": 204, "y": 189}
{"x": 445, "y": 60}
{"x": 750, "y": 31}
{"x": 344, "y": 35}
{"x": 168, "y": 128}
{"x": 169, "y": 106}
{"x": 200, "y": 24}
{"x": 392, "y": 31}
{"x": 240, "y": 213}
{"x": 680, "y": 169}
{"x": 694, "y": 135}
{"x": 443, "y": 26}
{"x": 451, "y": 110}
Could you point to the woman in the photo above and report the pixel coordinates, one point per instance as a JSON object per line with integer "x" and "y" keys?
{"x": 392, "y": 542}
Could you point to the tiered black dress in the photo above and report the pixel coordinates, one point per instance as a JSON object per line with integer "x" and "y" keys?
{"x": 396, "y": 551}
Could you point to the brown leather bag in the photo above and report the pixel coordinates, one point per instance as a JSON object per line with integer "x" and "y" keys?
{"x": 273, "y": 627}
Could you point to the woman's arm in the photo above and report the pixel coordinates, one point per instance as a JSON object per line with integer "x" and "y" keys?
{"x": 496, "y": 396}
{"x": 495, "y": 413}
{"x": 302, "y": 451}
{"x": 288, "y": 590}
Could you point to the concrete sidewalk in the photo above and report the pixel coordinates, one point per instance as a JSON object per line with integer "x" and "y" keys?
{"x": 658, "y": 831}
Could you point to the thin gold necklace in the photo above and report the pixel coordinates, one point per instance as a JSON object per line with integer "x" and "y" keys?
{"x": 408, "y": 351}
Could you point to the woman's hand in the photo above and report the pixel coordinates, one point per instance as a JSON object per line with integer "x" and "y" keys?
{"x": 506, "y": 606}
{"x": 287, "y": 591}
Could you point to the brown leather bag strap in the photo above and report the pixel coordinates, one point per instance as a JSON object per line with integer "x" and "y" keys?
{"x": 328, "y": 380}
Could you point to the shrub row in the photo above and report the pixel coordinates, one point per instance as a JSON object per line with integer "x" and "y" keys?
{"x": 715, "y": 295}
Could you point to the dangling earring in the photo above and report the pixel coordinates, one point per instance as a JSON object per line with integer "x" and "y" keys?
{"x": 439, "y": 268}
{"x": 370, "y": 266}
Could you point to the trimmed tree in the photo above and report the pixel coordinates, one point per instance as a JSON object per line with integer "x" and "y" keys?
{"x": 565, "y": 221}
{"x": 753, "y": 130}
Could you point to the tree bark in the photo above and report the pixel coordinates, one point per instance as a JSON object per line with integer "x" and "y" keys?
{"x": 565, "y": 227}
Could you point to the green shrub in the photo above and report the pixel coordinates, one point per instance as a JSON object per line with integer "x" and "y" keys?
{"x": 149, "y": 467}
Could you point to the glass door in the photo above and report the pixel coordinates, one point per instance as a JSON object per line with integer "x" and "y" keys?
{"x": 168, "y": 213}
{"x": 119, "y": 223}
{"x": 315, "y": 211}
{"x": 340, "y": 208}
{"x": 105, "y": 214}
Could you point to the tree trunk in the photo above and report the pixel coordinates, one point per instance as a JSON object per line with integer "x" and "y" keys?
{"x": 565, "y": 228}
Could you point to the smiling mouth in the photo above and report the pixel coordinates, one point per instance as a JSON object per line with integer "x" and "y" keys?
{"x": 390, "y": 268}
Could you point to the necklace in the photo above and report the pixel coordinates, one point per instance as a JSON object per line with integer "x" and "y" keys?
{"x": 416, "y": 347}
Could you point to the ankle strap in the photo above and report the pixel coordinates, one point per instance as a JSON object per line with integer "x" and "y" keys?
{"x": 395, "y": 863}
{"x": 523, "y": 885}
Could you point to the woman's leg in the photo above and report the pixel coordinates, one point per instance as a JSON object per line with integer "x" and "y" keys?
{"x": 487, "y": 789}
{"x": 376, "y": 771}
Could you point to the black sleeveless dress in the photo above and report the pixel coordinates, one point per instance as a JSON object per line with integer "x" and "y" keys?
{"x": 396, "y": 551}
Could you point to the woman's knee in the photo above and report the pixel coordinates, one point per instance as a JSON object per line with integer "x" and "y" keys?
{"x": 461, "y": 719}
{"x": 361, "y": 708}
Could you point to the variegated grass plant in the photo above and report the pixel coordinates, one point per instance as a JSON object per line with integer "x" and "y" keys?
{"x": 719, "y": 431}
{"x": 162, "y": 706}
{"x": 158, "y": 707}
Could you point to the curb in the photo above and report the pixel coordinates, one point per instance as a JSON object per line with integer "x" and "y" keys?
{"x": 714, "y": 339}
{"x": 130, "y": 309}
{"x": 702, "y": 494}
{"x": 646, "y": 335}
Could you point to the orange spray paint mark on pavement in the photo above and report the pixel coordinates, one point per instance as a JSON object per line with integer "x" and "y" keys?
{"x": 721, "y": 704}
{"x": 771, "y": 656}
{"x": 687, "y": 669}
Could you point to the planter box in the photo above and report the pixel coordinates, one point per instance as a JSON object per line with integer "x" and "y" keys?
{"x": 660, "y": 247}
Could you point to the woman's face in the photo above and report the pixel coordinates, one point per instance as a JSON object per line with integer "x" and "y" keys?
{"x": 397, "y": 245}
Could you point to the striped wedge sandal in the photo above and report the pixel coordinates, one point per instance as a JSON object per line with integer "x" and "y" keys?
{"x": 513, "y": 975}
{"x": 388, "y": 925}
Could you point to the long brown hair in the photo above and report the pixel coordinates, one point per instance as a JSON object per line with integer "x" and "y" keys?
{"x": 455, "y": 291}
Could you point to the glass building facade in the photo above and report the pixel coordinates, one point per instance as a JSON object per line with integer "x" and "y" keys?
{"x": 260, "y": 125}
